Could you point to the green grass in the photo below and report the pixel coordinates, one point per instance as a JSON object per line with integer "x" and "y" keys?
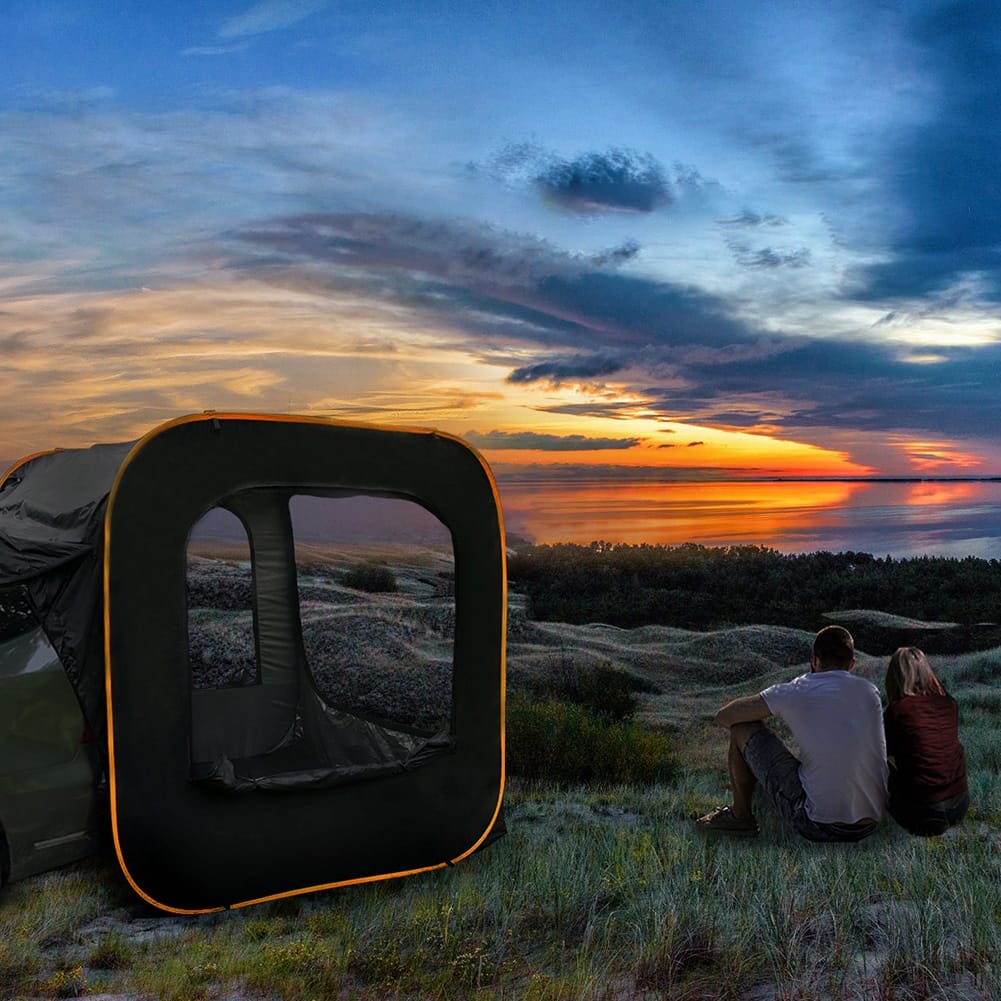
{"x": 567, "y": 743}
{"x": 600, "y": 892}
{"x": 593, "y": 889}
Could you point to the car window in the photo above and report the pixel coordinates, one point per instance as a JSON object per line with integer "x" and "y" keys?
{"x": 40, "y": 720}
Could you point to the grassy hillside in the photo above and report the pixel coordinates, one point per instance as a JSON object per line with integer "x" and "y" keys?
{"x": 601, "y": 891}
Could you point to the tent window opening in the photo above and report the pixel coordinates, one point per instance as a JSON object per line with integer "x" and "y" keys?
{"x": 376, "y": 581}
{"x": 220, "y": 594}
{"x": 302, "y": 673}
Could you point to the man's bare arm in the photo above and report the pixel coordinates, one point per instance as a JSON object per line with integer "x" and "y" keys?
{"x": 744, "y": 710}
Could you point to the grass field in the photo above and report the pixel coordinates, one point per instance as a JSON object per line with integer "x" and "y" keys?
{"x": 598, "y": 892}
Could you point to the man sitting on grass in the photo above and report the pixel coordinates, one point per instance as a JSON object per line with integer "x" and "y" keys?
{"x": 836, "y": 790}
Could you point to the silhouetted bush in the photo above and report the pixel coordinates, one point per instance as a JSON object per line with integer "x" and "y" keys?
{"x": 604, "y": 689}
{"x": 372, "y": 577}
{"x": 607, "y": 691}
{"x": 564, "y": 743}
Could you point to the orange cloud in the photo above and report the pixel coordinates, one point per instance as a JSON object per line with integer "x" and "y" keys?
{"x": 941, "y": 457}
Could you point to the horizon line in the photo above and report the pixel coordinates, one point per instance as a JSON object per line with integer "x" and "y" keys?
{"x": 651, "y": 476}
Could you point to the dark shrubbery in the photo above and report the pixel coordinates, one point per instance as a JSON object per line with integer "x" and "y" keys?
{"x": 575, "y": 725}
{"x": 697, "y": 587}
{"x": 605, "y": 690}
{"x": 564, "y": 743}
{"x": 372, "y": 577}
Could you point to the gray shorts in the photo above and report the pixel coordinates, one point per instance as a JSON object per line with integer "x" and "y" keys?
{"x": 777, "y": 770}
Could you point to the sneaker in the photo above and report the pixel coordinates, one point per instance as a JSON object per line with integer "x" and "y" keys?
{"x": 725, "y": 820}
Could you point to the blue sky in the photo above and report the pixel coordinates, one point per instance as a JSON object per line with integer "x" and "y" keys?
{"x": 759, "y": 237}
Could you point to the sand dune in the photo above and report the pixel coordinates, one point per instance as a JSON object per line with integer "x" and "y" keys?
{"x": 390, "y": 654}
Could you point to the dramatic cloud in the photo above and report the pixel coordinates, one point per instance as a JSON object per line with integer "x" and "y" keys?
{"x": 833, "y": 385}
{"x": 570, "y": 322}
{"x": 617, "y": 180}
{"x": 570, "y": 472}
{"x": 616, "y": 255}
{"x": 522, "y": 440}
{"x": 941, "y": 174}
{"x": 461, "y": 255}
{"x": 483, "y": 280}
{"x": 565, "y": 370}
{"x": 327, "y": 211}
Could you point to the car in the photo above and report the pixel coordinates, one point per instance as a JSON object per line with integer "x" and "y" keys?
{"x": 49, "y": 767}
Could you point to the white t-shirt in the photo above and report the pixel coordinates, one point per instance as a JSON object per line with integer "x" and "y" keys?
{"x": 837, "y": 720}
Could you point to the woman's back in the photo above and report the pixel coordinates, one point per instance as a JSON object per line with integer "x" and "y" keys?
{"x": 927, "y": 787}
{"x": 922, "y": 738}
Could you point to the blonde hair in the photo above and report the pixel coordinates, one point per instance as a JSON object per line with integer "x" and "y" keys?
{"x": 910, "y": 673}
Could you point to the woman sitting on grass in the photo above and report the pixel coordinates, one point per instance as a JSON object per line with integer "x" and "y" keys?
{"x": 928, "y": 790}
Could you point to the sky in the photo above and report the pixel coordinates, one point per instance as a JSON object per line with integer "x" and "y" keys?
{"x": 594, "y": 238}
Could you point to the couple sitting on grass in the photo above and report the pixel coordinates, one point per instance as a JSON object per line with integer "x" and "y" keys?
{"x": 843, "y": 782}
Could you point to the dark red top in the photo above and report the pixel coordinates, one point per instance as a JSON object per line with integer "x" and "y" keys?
{"x": 922, "y": 736}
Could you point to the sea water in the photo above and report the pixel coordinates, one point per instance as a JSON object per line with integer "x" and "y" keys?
{"x": 896, "y": 518}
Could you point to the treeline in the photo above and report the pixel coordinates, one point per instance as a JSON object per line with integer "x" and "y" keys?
{"x": 698, "y": 587}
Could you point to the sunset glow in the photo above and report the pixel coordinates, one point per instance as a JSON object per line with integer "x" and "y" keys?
{"x": 714, "y": 513}
{"x": 689, "y": 448}
{"x": 726, "y": 261}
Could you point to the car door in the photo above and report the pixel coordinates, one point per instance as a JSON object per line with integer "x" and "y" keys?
{"x": 48, "y": 812}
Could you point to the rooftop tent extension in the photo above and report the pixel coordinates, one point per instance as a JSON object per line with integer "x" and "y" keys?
{"x": 227, "y": 797}
{"x": 51, "y": 538}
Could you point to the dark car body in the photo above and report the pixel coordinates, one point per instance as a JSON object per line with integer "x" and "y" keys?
{"x": 48, "y": 775}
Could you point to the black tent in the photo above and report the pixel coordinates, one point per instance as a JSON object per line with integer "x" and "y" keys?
{"x": 223, "y": 797}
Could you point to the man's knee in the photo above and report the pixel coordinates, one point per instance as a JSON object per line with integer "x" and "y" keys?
{"x": 740, "y": 732}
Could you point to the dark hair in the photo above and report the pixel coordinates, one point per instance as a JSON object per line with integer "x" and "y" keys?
{"x": 910, "y": 673}
{"x": 834, "y": 647}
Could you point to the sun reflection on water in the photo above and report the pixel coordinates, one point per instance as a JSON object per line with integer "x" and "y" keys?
{"x": 902, "y": 518}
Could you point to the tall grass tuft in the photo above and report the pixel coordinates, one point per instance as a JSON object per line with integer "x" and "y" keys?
{"x": 606, "y": 690}
{"x": 564, "y": 743}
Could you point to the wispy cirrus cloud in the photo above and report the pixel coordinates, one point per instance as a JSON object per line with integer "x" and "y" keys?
{"x": 532, "y": 440}
{"x": 768, "y": 258}
{"x": 749, "y": 219}
{"x": 270, "y": 15}
{"x": 213, "y": 50}
{"x": 560, "y": 370}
